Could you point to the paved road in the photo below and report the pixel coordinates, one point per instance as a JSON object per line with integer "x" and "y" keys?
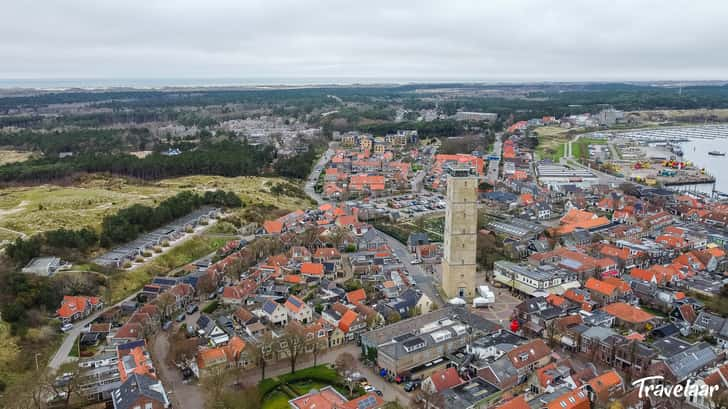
{"x": 314, "y": 176}
{"x": 181, "y": 394}
{"x": 494, "y": 165}
{"x": 61, "y": 355}
{"x": 424, "y": 280}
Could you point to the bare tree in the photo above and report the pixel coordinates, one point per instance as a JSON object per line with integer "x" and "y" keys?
{"x": 293, "y": 344}
{"x": 67, "y": 386}
{"x": 426, "y": 400}
{"x": 214, "y": 384}
{"x": 206, "y": 285}
{"x": 346, "y": 363}
{"x": 165, "y": 302}
{"x": 31, "y": 394}
{"x": 317, "y": 345}
{"x": 181, "y": 348}
{"x": 258, "y": 354}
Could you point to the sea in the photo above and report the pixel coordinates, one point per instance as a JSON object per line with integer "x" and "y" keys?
{"x": 696, "y": 151}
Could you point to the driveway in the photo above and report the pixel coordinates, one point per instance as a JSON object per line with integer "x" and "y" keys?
{"x": 181, "y": 394}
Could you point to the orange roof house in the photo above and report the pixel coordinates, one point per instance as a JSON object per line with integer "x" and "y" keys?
{"x": 75, "y": 307}
{"x": 312, "y": 269}
{"x": 576, "y": 399}
{"x": 601, "y": 287}
{"x": 526, "y": 199}
{"x": 555, "y": 300}
{"x": 577, "y": 216}
{"x": 621, "y": 285}
{"x": 627, "y": 313}
{"x": 606, "y": 386}
{"x": 211, "y": 357}
{"x": 135, "y": 361}
{"x": 443, "y": 379}
{"x": 273, "y": 226}
{"x": 583, "y": 219}
{"x": 519, "y": 402}
{"x": 356, "y": 296}
{"x": 347, "y": 320}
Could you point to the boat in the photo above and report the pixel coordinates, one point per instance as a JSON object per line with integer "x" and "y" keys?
{"x": 716, "y": 153}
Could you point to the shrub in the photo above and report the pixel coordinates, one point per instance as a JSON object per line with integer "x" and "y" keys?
{"x": 211, "y": 307}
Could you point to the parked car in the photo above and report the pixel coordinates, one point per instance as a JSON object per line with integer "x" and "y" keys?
{"x": 416, "y": 261}
{"x": 180, "y": 317}
{"x": 191, "y": 309}
{"x": 66, "y": 327}
{"x": 411, "y": 385}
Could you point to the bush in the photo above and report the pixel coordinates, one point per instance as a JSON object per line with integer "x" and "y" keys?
{"x": 211, "y": 307}
{"x": 268, "y": 385}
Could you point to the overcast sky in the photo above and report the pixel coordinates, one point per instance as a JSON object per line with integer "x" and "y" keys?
{"x": 483, "y": 40}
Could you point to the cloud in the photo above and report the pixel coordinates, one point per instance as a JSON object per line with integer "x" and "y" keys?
{"x": 475, "y": 40}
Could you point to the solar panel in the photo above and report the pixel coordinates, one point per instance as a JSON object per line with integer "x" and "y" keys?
{"x": 295, "y": 301}
{"x": 367, "y": 403}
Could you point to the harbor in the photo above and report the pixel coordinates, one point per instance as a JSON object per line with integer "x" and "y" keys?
{"x": 677, "y": 158}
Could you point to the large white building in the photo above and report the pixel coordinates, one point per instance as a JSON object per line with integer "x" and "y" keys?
{"x": 555, "y": 176}
{"x": 534, "y": 281}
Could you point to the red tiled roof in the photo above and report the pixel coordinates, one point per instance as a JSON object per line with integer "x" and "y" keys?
{"x": 273, "y": 226}
{"x": 600, "y": 286}
{"x": 519, "y": 402}
{"x": 314, "y": 269}
{"x": 445, "y": 379}
{"x": 628, "y": 313}
{"x": 356, "y": 296}
{"x": 347, "y": 320}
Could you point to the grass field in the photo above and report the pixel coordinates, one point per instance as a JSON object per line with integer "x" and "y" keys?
{"x": 551, "y": 140}
{"x": 277, "y": 391}
{"x": 10, "y": 156}
{"x": 124, "y": 283}
{"x": 580, "y": 148}
{"x": 30, "y": 210}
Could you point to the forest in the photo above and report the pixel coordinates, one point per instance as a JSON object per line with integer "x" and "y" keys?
{"x": 223, "y": 159}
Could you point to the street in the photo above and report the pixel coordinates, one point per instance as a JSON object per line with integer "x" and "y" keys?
{"x": 61, "y": 355}
{"x": 185, "y": 395}
{"x": 424, "y": 281}
{"x": 493, "y": 165}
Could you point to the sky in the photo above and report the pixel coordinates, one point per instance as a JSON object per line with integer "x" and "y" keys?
{"x": 480, "y": 40}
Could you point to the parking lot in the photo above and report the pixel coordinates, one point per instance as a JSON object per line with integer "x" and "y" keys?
{"x": 407, "y": 206}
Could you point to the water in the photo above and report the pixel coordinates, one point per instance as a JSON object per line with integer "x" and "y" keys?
{"x": 696, "y": 151}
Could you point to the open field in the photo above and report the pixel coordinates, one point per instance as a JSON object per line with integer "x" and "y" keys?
{"x": 551, "y": 140}
{"x": 580, "y": 148}
{"x": 682, "y": 115}
{"x": 12, "y": 156}
{"x": 34, "y": 209}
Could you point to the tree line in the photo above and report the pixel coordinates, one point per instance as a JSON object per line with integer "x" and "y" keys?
{"x": 223, "y": 159}
{"x": 126, "y": 225}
